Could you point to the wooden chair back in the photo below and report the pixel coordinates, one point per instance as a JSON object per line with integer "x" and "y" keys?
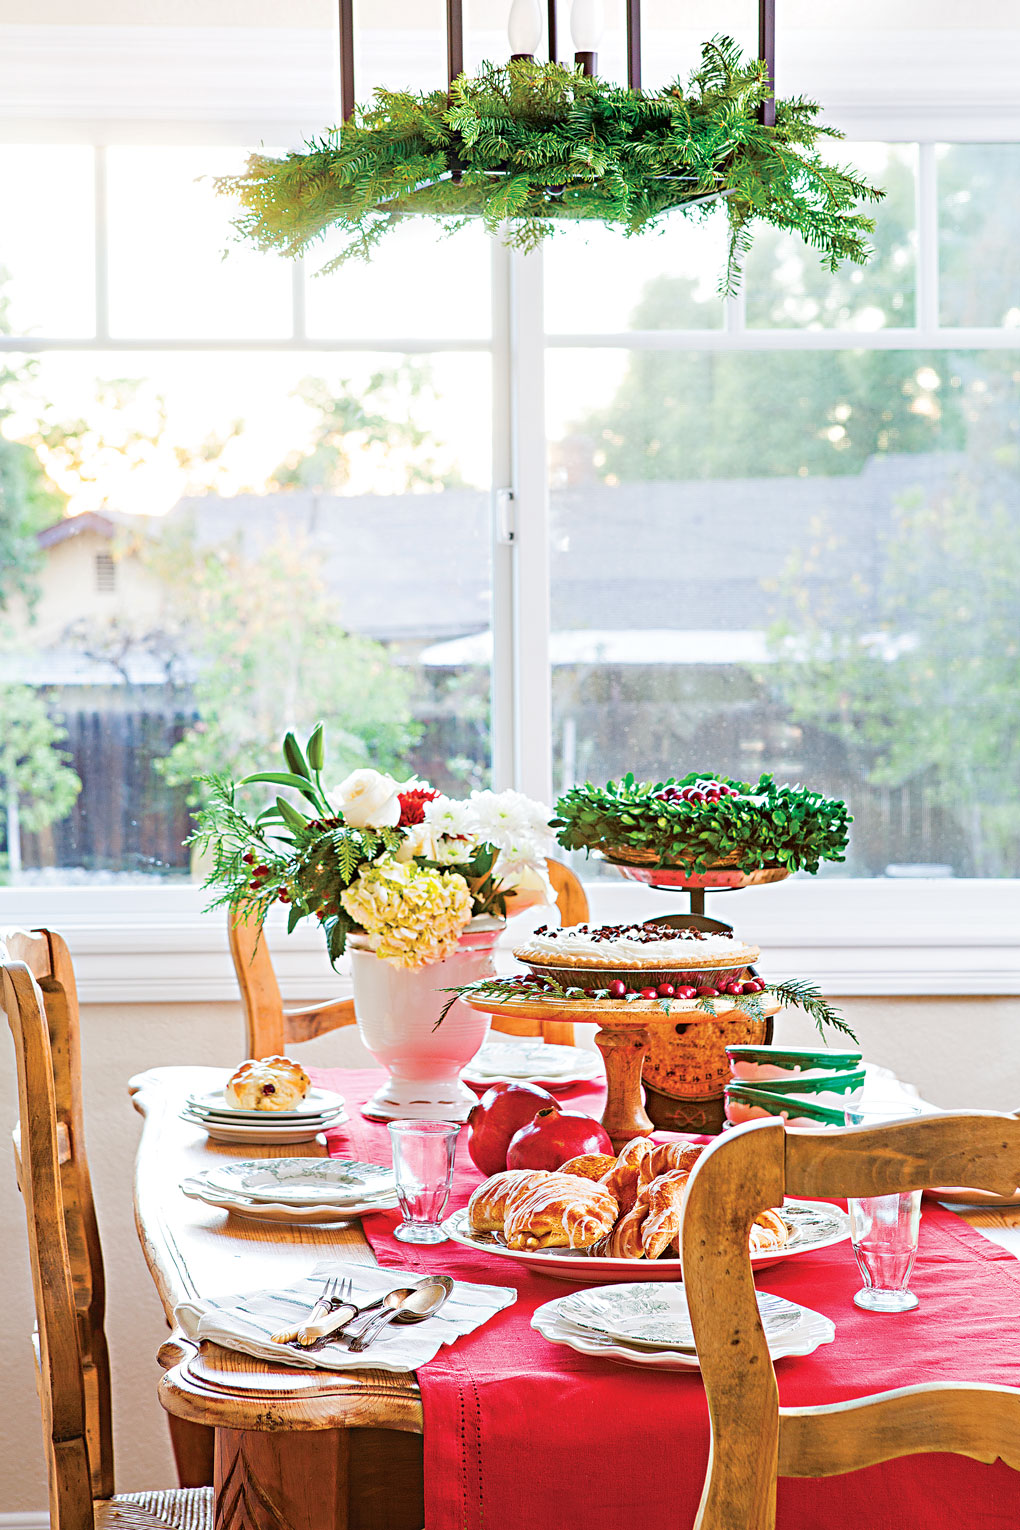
{"x": 40, "y": 1000}
{"x": 270, "y": 1028}
{"x": 754, "y": 1440}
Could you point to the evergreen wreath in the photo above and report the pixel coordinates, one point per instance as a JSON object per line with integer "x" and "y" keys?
{"x": 526, "y": 144}
{"x": 764, "y": 825}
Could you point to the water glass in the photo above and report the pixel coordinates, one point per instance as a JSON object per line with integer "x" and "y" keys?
{"x": 884, "y": 1228}
{"x": 423, "y": 1165}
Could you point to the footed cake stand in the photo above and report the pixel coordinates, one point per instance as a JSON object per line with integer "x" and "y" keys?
{"x": 622, "y": 1038}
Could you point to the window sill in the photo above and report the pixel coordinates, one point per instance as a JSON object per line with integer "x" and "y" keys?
{"x": 141, "y": 945}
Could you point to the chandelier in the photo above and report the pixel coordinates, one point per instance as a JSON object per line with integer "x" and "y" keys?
{"x": 530, "y": 144}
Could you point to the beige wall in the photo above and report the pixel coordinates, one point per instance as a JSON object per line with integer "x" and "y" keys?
{"x": 67, "y": 591}
{"x": 959, "y": 1052}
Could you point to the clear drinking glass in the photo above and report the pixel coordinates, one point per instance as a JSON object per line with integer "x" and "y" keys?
{"x": 884, "y": 1228}
{"x": 423, "y": 1165}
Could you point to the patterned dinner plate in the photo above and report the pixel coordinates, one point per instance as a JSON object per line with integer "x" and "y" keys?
{"x": 801, "y": 1335}
{"x": 198, "y": 1189}
{"x": 813, "y": 1225}
{"x": 263, "y": 1133}
{"x": 654, "y": 1314}
{"x": 302, "y": 1181}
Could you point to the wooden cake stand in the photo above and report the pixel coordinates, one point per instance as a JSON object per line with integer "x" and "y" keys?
{"x": 622, "y": 1038}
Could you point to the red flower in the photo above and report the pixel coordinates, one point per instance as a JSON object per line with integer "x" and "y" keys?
{"x": 412, "y": 805}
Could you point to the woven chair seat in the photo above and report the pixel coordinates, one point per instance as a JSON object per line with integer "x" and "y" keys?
{"x": 171, "y": 1509}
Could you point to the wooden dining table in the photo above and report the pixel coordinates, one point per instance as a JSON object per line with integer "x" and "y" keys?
{"x": 307, "y": 1449}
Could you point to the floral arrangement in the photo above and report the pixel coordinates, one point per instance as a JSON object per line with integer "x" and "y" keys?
{"x": 396, "y": 861}
{"x": 527, "y": 145}
{"x": 700, "y": 821}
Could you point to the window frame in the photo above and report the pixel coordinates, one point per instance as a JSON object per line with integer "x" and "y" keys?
{"x": 134, "y": 920}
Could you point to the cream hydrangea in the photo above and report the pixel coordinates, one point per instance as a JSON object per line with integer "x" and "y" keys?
{"x": 414, "y": 913}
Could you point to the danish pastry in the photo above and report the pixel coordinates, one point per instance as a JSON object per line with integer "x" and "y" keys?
{"x": 768, "y": 1233}
{"x": 589, "y": 1165}
{"x": 487, "y": 1206}
{"x": 623, "y": 1180}
{"x": 267, "y": 1083}
{"x": 558, "y": 1211}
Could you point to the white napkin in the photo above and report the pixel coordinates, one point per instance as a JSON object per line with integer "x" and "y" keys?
{"x": 247, "y": 1321}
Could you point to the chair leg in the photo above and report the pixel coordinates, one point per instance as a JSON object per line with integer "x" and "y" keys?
{"x": 194, "y": 1447}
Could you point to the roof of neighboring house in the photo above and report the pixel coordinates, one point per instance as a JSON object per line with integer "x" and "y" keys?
{"x": 74, "y": 525}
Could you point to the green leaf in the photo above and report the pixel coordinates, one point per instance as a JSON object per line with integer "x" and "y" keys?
{"x": 290, "y": 814}
{"x": 282, "y": 778}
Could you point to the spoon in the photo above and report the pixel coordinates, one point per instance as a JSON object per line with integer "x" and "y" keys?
{"x": 423, "y": 1302}
{"x": 328, "y": 1329}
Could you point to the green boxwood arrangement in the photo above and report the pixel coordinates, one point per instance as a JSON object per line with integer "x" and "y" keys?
{"x": 526, "y": 145}
{"x": 764, "y": 825}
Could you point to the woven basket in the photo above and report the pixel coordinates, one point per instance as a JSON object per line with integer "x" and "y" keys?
{"x": 633, "y": 855}
{"x": 686, "y": 1070}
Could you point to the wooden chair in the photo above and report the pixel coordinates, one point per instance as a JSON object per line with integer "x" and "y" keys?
{"x": 754, "y": 1440}
{"x": 37, "y": 993}
{"x": 270, "y": 1027}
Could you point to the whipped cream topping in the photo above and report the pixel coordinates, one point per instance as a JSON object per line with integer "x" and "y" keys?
{"x": 654, "y": 944}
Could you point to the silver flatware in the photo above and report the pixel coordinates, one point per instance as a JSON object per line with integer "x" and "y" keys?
{"x": 423, "y": 1302}
{"x": 336, "y": 1294}
{"x": 328, "y": 1331}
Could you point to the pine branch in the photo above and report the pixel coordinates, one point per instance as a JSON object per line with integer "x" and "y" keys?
{"x": 796, "y": 994}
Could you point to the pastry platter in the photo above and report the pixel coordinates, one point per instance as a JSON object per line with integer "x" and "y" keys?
{"x": 647, "y": 1325}
{"x": 813, "y": 1225}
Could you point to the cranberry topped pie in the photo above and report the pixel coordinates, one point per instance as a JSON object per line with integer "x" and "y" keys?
{"x": 591, "y": 956}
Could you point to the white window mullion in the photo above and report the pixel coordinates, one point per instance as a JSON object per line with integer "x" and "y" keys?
{"x": 532, "y": 679}
{"x": 502, "y": 614}
{"x": 927, "y": 317}
{"x": 101, "y": 244}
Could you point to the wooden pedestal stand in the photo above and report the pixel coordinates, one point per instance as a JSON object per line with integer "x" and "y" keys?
{"x": 622, "y": 1038}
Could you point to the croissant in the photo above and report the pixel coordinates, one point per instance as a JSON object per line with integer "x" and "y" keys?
{"x": 269, "y": 1083}
{"x": 557, "y": 1211}
{"x": 768, "y": 1233}
{"x": 487, "y": 1206}
{"x": 663, "y": 1201}
{"x": 623, "y": 1181}
{"x": 666, "y": 1156}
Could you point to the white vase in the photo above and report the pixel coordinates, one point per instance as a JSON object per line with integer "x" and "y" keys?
{"x": 397, "y": 1009}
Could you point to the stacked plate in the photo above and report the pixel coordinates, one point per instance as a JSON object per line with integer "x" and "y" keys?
{"x": 318, "y": 1111}
{"x": 296, "y": 1190}
{"x": 531, "y": 1062}
{"x": 649, "y": 1325}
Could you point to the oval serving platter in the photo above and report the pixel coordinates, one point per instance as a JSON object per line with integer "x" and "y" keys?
{"x": 813, "y": 1225}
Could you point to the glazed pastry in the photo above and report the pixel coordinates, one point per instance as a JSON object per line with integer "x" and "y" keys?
{"x": 558, "y": 1211}
{"x": 487, "y": 1206}
{"x": 589, "y": 1165}
{"x": 666, "y": 1156}
{"x": 624, "y": 1242}
{"x": 268, "y": 1083}
{"x": 663, "y": 1200}
{"x": 623, "y": 1180}
{"x": 768, "y": 1233}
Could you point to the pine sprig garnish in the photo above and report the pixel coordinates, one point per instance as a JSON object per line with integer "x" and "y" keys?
{"x": 796, "y": 994}
{"x": 536, "y": 144}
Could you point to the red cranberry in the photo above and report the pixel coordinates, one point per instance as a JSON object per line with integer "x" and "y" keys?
{"x": 248, "y": 858}
{"x": 731, "y": 988}
{"x": 712, "y": 796}
{"x": 649, "y": 993}
{"x": 708, "y": 993}
{"x": 617, "y": 990}
{"x": 696, "y": 797}
{"x": 687, "y": 993}
{"x": 666, "y": 991}
{"x": 749, "y": 987}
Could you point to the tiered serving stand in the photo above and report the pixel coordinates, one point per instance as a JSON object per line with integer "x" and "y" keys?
{"x": 625, "y": 1026}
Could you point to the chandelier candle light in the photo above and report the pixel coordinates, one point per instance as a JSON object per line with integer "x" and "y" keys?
{"x": 529, "y": 144}
{"x": 412, "y": 883}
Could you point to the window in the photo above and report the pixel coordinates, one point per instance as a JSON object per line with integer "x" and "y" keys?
{"x": 776, "y": 533}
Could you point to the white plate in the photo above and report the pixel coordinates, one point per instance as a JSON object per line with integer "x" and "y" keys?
{"x": 317, "y": 1102}
{"x": 802, "y": 1338}
{"x": 532, "y": 1062}
{"x": 813, "y": 1225}
{"x": 268, "y": 1211}
{"x": 653, "y": 1314}
{"x": 260, "y": 1135}
{"x": 302, "y": 1181}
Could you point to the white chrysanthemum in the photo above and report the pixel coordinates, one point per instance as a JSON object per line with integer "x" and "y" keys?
{"x": 457, "y": 820}
{"x": 509, "y": 817}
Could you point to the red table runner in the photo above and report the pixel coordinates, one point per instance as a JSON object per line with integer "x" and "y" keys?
{"x": 522, "y": 1434}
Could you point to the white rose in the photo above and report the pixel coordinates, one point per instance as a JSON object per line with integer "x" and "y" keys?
{"x": 369, "y": 800}
{"x": 419, "y": 839}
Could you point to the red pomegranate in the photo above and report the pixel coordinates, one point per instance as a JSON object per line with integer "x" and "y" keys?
{"x": 553, "y": 1137}
{"x": 502, "y": 1111}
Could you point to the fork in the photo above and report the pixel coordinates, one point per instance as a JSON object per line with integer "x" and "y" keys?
{"x": 336, "y": 1293}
